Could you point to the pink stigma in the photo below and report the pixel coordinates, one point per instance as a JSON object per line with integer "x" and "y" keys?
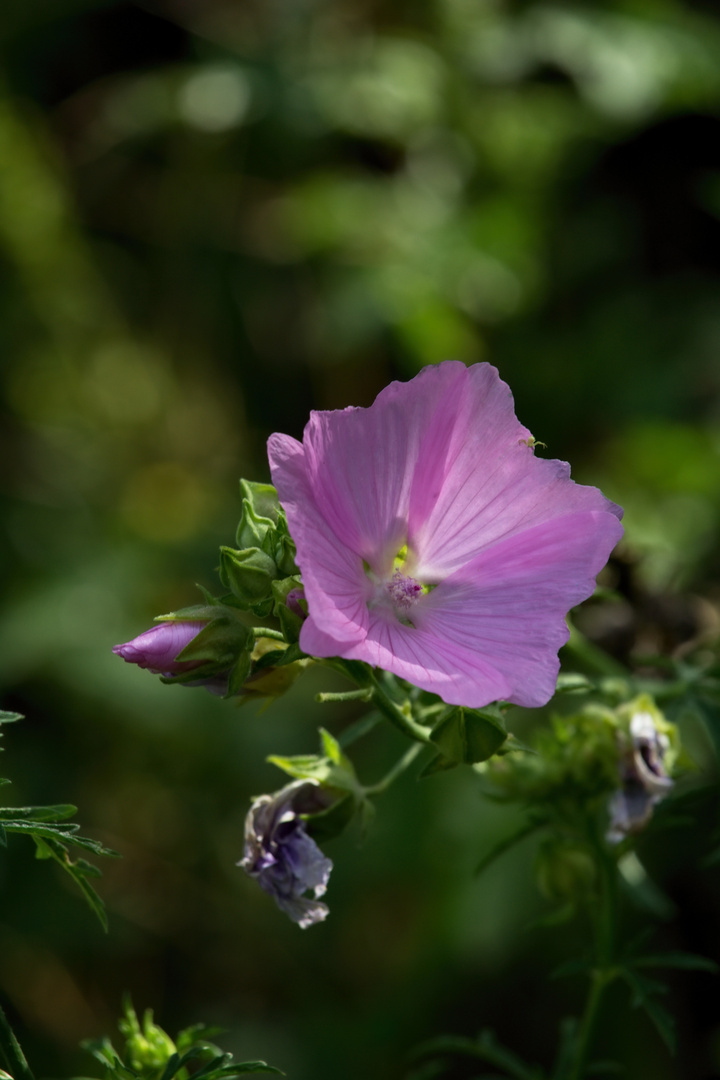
{"x": 403, "y": 591}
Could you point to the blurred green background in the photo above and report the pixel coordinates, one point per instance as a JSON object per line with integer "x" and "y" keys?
{"x": 214, "y": 216}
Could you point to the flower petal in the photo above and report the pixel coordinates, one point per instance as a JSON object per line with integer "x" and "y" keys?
{"x": 478, "y": 481}
{"x": 362, "y": 462}
{"x": 333, "y": 577}
{"x": 509, "y": 604}
{"x": 458, "y": 673}
{"x": 156, "y": 648}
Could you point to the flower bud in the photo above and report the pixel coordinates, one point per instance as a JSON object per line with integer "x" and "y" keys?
{"x": 248, "y": 574}
{"x": 157, "y": 648}
{"x": 293, "y": 602}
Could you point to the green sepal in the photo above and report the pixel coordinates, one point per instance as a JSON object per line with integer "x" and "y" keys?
{"x": 239, "y": 673}
{"x": 469, "y": 735}
{"x": 439, "y": 763}
{"x": 219, "y": 643}
{"x": 333, "y": 821}
{"x": 194, "y": 613}
{"x": 253, "y": 528}
{"x": 284, "y": 550}
{"x": 290, "y": 622}
{"x": 263, "y": 498}
{"x": 248, "y": 574}
{"x": 280, "y": 657}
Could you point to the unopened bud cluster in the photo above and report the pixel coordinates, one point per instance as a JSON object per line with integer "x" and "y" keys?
{"x": 213, "y": 644}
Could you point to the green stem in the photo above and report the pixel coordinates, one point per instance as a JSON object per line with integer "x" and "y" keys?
{"x": 398, "y": 716}
{"x": 604, "y": 972}
{"x": 12, "y": 1051}
{"x": 364, "y": 677}
{"x": 345, "y": 695}
{"x": 265, "y": 631}
{"x": 397, "y": 770}
{"x": 600, "y": 979}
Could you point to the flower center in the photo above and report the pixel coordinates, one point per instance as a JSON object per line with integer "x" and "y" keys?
{"x": 403, "y": 591}
{"x": 398, "y": 592}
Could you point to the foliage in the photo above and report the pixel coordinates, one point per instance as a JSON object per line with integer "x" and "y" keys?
{"x": 150, "y": 1054}
{"x": 53, "y": 837}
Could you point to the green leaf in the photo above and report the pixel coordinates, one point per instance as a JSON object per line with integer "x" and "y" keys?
{"x": 687, "y": 961}
{"x": 333, "y": 750}
{"x": 301, "y": 766}
{"x": 242, "y": 1069}
{"x": 643, "y": 989}
{"x": 663, "y": 1021}
{"x": 484, "y": 1048}
{"x": 9, "y": 717}
{"x": 38, "y": 813}
{"x": 469, "y": 735}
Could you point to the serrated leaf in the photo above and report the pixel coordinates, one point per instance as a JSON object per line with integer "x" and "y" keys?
{"x": 242, "y": 1069}
{"x": 677, "y": 959}
{"x": 663, "y": 1021}
{"x": 10, "y": 717}
{"x": 39, "y": 813}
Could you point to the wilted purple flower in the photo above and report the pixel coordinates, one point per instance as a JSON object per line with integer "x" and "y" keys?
{"x": 643, "y": 776}
{"x": 286, "y": 862}
{"x": 157, "y": 648}
{"x": 434, "y": 544}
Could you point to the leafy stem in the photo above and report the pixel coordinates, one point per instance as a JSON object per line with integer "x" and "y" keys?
{"x": 401, "y": 717}
{"x": 604, "y": 971}
{"x": 11, "y": 1051}
{"x": 599, "y": 980}
{"x": 364, "y": 677}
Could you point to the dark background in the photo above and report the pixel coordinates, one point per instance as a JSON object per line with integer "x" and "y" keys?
{"x": 214, "y": 216}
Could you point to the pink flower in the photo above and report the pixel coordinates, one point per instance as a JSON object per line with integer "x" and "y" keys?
{"x": 156, "y": 648}
{"x": 434, "y": 544}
